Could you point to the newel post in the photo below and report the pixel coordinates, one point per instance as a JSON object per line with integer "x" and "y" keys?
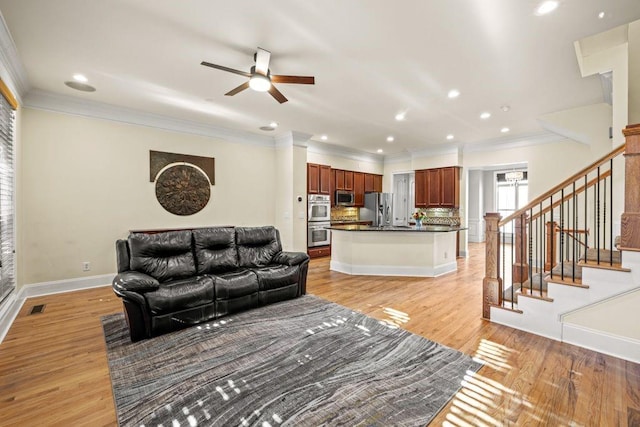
{"x": 631, "y": 216}
{"x": 520, "y": 269}
{"x": 492, "y": 283}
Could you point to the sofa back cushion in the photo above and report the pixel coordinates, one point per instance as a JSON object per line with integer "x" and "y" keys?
{"x": 164, "y": 256}
{"x": 215, "y": 249}
{"x": 257, "y": 245}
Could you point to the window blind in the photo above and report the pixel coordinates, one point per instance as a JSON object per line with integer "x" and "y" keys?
{"x": 7, "y": 253}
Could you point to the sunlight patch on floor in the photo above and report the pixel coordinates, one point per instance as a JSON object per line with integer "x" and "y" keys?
{"x": 493, "y": 355}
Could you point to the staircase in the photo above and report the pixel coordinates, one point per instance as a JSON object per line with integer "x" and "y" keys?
{"x": 555, "y": 268}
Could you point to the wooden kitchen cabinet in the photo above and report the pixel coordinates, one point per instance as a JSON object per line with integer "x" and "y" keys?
{"x": 421, "y": 188}
{"x": 318, "y": 179}
{"x": 325, "y": 179}
{"x": 313, "y": 178}
{"x": 377, "y": 183}
{"x": 333, "y": 187}
{"x": 368, "y": 183}
{"x": 339, "y": 179}
{"x": 437, "y": 188}
{"x": 450, "y": 180}
{"x": 358, "y": 189}
{"x": 349, "y": 180}
{"x": 434, "y": 187}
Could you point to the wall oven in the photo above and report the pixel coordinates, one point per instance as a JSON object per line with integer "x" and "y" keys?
{"x": 319, "y": 207}
{"x": 318, "y": 234}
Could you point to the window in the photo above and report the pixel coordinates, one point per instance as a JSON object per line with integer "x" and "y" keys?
{"x": 512, "y": 193}
{"x": 7, "y": 274}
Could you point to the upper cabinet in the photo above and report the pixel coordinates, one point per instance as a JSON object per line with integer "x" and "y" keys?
{"x": 321, "y": 179}
{"x": 450, "y": 181}
{"x": 358, "y": 189}
{"x": 438, "y": 188}
{"x": 318, "y": 179}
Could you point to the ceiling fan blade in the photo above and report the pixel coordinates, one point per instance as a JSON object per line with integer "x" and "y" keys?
{"x": 220, "y": 67}
{"x": 262, "y": 61}
{"x": 277, "y": 95}
{"x": 301, "y": 80}
{"x": 240, "y": 88}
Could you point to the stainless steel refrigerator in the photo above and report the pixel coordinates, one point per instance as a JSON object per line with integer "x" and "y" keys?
{"x": 378, "y": 208}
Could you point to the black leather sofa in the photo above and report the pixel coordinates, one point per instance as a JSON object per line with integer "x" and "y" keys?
{"x": 174, "y": 279}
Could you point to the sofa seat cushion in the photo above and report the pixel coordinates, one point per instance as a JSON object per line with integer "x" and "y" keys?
{"x": 163, "y": 256}
{"x": 277, "y": 276}
{"x": 180, "y": 294}
{"x": 215, "y": 250}
{"x": 235, "y": 284}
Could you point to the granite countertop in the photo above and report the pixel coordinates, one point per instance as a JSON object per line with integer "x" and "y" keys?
{"x": 348, "y": 222}
{"x": 423, "y": 229}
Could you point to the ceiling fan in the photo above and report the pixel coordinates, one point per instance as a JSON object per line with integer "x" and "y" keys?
{"x": 260, "y": 78}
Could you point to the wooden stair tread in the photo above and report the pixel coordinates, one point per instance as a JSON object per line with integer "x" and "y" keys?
{"x": 616, "y": 266}
{"x": 503, "y": 307}
{"x": 566, "y": 281}
{"x": 526, "y": 292}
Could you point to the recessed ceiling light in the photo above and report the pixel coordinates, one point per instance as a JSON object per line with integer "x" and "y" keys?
{"x": 453, "y": 93}
{"x": 80, "y": 86}
{"x": 401, "y": 116}
{"x": 505, "y": 108}
{"x": 546, "y": 7}
{"x": 485, "y": 115}
{"x": 379, "y": 150}
{"x": 449, "y": 137}
{"x": 273, "y": 125}
{"x": 390, "y": 138}
{"x": 324, "y": 137}
{"x": 601, "y": 15}
{"x": 80, "y": 78}
{"x": 505, "y": 130}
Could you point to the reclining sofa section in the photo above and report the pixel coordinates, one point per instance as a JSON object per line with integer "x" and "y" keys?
{"x": 174, "y": 279}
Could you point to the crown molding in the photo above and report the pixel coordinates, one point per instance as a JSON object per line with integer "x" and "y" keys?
{"x": 12, "y": 63}
{"x": 292, "y": 138}
{"x": 435, "y": 151}
{"x": 41, "y": 100}
{"x": 401, "y": 157}
{"x": 519, "y": 141}
{"x": 344, "y": 152}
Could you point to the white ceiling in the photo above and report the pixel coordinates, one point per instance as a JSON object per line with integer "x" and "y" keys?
{"x": 371, "y": 59}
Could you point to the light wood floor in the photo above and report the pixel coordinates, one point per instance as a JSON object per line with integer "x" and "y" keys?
{"x": 53, "y": 368}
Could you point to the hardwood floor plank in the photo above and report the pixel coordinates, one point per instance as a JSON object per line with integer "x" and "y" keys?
{"x": 53, "y": 368}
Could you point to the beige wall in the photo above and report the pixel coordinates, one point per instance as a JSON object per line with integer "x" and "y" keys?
{"x": 548, "y": 164}
{"x": 85, "y": 182}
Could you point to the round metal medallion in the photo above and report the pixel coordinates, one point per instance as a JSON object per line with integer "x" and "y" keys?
{"x": 183, "y": 189}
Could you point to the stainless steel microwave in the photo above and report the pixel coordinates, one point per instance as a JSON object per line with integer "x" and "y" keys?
{"x": 344, "y": 198}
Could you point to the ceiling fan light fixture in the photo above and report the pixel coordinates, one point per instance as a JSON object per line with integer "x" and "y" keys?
{"x": 259, "y": 83}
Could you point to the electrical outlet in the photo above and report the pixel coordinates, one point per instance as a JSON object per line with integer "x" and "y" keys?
{"x": 445, "y": 255}
{"x": 86, "y": 266}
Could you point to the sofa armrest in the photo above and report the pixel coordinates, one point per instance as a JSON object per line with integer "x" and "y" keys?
{"x": 290, "y": 258}
{"x": 134, "y": 281}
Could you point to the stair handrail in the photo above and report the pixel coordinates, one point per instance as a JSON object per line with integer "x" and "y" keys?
{"x": 593, "y": 166}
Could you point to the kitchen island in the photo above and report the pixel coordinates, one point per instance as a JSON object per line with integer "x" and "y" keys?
{"x": 429, "y": 251}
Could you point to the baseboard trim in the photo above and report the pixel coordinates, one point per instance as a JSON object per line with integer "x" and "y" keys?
{"x": 603, "y": 342}
{"x": 11, "y": 307}
{"x": 387, "y": 270}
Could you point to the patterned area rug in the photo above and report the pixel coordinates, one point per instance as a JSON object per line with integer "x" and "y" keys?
{"x": 303, "y": 362}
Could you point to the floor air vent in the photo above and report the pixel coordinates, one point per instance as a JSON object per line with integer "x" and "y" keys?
{"x": 36, "y": 309}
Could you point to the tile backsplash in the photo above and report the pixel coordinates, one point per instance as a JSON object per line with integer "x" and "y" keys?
{"x": 342, "y": 213}
{"x": 442, "y": 216}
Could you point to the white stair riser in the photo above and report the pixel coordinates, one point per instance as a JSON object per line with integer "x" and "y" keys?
{"x": 529, "y": 322}
{"x": 593, "y": 276}
{"x": 543, "y": 317}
